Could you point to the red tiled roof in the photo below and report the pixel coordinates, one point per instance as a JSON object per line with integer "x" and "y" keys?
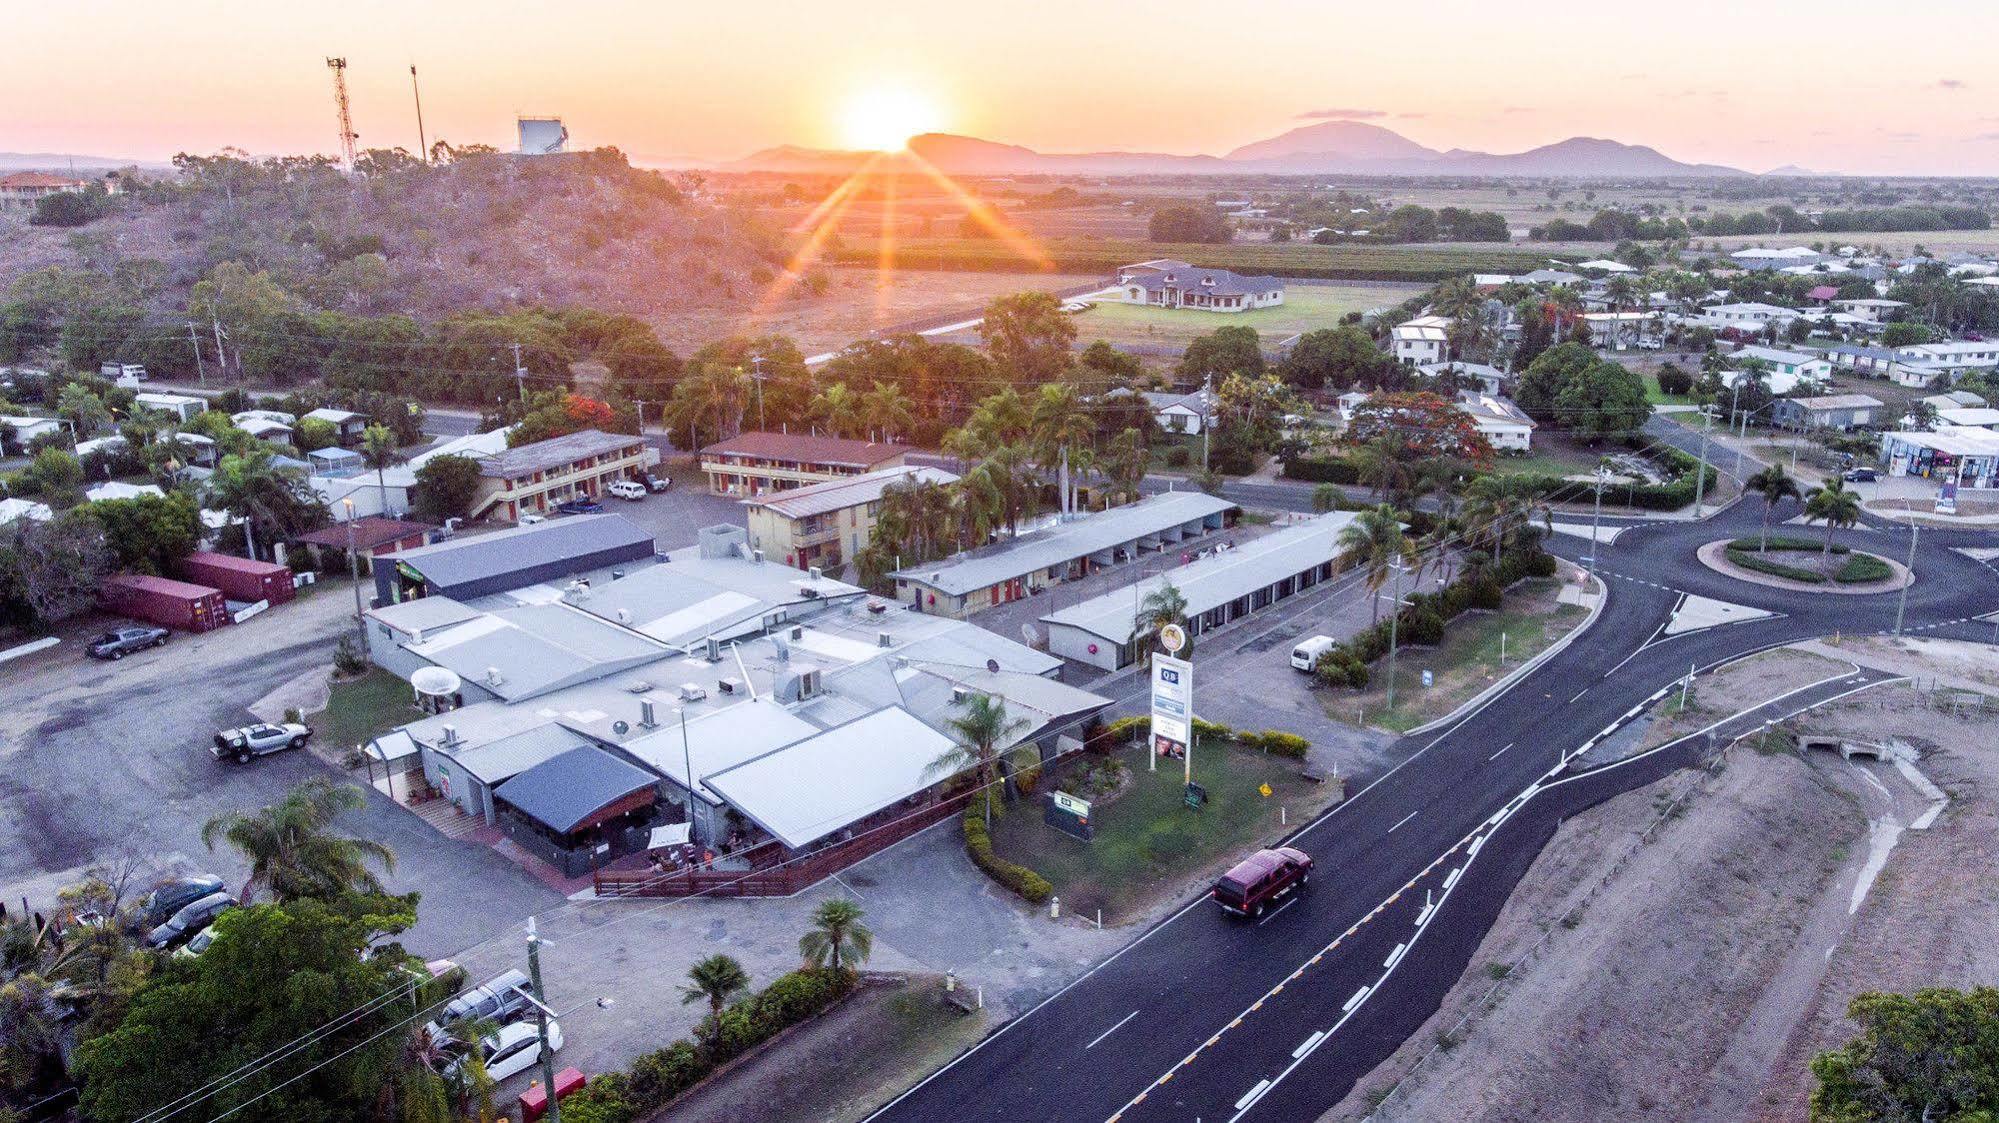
{"x": 369, "y": 532}
{"x": 806, "y": 449}
{"x": 40, "y": 179}
{"x": 1823, "y": 292}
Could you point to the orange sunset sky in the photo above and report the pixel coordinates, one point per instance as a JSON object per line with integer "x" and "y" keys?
{"x": 1834, "y": 85}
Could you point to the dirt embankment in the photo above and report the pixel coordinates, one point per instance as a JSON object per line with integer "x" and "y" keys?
{"x": 1682, "y": 950}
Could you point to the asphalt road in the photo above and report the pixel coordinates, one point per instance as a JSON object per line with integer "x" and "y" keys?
{"x": 1205, "y": 1017}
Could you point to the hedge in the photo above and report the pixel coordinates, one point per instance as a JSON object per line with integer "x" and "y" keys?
{"x": 1750, "y": 560}
{"x": 1025, "y": 883}
{"x": 1862, "y": 568}
{"x": 1670, "y": 496}
{"x": 1275, "y": 741}
{"x": 1321, "y": 470}
{"x": 659, "y": 1077}
{"x": 1423, "y": 619}
{"x": 1755, "y": 545}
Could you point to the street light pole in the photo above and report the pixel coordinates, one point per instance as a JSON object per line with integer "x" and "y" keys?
{"x": 354, "y": 574}
{"x": 1596, "y": 520}
{"x": 1700, "y": 476}
{"x": 1902, "y": 604}
{"x": 541, "y": 1024}
{"x": 1394, "y": 617}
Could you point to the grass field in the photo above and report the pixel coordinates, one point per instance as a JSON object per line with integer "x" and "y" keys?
{"x": 362, "y": 709}
{"x": 1425, "y": 263}
{"x": 1149, "y": 842}
{"x": 1305, "y": 308}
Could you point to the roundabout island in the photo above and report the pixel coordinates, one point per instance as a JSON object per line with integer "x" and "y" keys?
{"x": 1786, "y": 562}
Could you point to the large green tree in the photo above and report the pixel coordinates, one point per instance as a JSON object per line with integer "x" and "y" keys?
{"x": 1028, "y": 336}
{"x": 445, "y": 488}
{"x": 1931, "y": 1055}
{"x": 148, "y": 533}
{"x": 291, "y": 849}
{"x": 1189, "y": 222}
{"x": 1606, "y": 399}
{"x": 1338, "y": 358}
{"x": 1223, "y": 351}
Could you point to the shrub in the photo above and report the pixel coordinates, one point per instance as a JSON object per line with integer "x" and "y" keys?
{"x": 1212, "y": 731}
{"x": 1422, "y": 626}
{"x": 1179, "y": 456}
{"x": 1760, "y": 564}
{"x": 602, "y": 1100}
{"x": 1283, "y": 744}
{"x": 1806, "y": 545}
{"x": 1125, "y": 730}
{"x": 348, "y": 658}
{"x": 1025, "y": 883}
{"x": 1321, "y": 470}
{"x": 1862, "y": 568}
{"x": 1026, "y": 778}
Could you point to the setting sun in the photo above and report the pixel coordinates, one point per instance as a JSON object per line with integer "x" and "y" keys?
{"x": 883, "y": 120}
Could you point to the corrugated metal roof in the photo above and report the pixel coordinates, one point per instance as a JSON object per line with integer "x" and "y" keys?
{"x": 1058, "y": 545}
{"x": 1215, "y": 580}
{"x": 556, "y": 452}
{"x": 806, "y": 791}
{"x": 508, "y": 551}
{"x": 838, "y": 495}
{"x": 496, "y": 762}
{"x": 806, "y": 449}
{"x": 564, "y": 792}
{"x": 423, "y": 614}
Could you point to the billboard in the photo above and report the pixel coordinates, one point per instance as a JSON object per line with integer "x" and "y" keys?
{"x": 542, "y": 136}
{"x": 1172, "y": 705}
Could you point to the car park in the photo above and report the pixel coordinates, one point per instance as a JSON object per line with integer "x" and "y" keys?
{"x": 657, "y": 484}
{"x": 169, "y": 897}
{"x": 627, "y": 489}
{"x": 1859, "y": 475}
{"x": 124, "y": 641}
{"x": 250, "y": 741}
{"x": 190, "y": 920}
{"x": 582, "y": 505}
{"x": 514, "y": 1049}
{"x": 1262, "y": 881}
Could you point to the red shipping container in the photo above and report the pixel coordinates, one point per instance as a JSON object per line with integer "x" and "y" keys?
{"x": 534, "y": 1102}
{"x": 240, "y": 579}
{"x": 166, "y": 602}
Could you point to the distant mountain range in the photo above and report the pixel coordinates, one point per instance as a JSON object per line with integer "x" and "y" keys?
{"x": 1330, "y": 147}
{"x": 64, "y": 161}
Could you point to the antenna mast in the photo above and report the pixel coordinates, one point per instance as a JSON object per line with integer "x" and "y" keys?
{"x": 423, "y": 142}
{"x": 347, "y": 134}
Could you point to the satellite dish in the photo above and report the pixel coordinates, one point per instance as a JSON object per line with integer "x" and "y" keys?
{"x": 992, "y": 666}
{"x": 621, "y": 727}
{"x": 436, "y": 682}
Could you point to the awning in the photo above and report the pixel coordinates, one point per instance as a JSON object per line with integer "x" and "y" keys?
{"x": 673, "y": 834}
{"x": 392, "y": 746}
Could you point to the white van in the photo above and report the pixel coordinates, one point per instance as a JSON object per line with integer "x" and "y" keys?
{"x": 627, "y": 489}
{"x": 1305, "y": 656}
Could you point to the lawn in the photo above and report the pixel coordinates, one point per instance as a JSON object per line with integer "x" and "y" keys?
{"x": 1553, "y": 455}
{"x": 1149, "y": 843}
{"x": 1465, "y": 663}
{"x": 1659, "y": 397}
{"x": 359, "y": 710}
{"x": 1305, "y": 308}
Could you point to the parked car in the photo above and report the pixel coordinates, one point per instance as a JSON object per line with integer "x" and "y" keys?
{"x": 1305, "y": 656}
{"x": 240, "y": 745}
{"x": 169, "y": 897}
{"x": 657, "y": 484}
{"x": 582, "y": 505}
{"x": 1859, "y": 475}
{"x": 514, "y": 1049}
{"x": 1650, "y": 343}
{"x": 627, "y": 489}
{"x": 499, "y": 1000}
{"x": 190, "y": 920}
{"x": 1264, "y": 879}
{"x": 197, "y": 945}
{"x": 124, "y": 641}
{"x": 530, "y": 519}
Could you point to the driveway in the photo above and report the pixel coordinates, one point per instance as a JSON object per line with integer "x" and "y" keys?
{"x": 107, "y": 761}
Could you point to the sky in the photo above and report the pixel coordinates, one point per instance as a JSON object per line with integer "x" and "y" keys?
{"x": 1752, "y": 85}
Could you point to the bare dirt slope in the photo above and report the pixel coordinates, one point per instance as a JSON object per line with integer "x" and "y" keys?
{"x": 1682, "y": 950}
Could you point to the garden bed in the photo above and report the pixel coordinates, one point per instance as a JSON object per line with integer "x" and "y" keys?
{"x": 1795, "y": 559}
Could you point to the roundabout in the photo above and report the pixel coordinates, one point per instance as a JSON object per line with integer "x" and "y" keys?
{"x": 1802, "y": 566}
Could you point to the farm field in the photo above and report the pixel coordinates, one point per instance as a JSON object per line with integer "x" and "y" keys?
{"x": 1427, "y": 263}
{"x": 1306, "y": 307}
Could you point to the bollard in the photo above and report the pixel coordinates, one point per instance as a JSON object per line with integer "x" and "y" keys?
{"x": 1100, "y": 920}
{"x": 1054, "y": 908}
{"x": 982, "y": 996}
{"x": 950, "y": 981}
{"x": 1283, "y": 816}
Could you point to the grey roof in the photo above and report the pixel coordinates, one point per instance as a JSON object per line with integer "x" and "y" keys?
{"x": 334, "y": 416}
{"x": 838, "y": 495}
{"x": 1861, "y": 351}
{"x": 1214, "y": 580}
{"x": 1194, "y": 278}
{"x": 520, "y": 652}
{"x": 553, "y": 453}
{"x": 719, "y": 739}
{"x": 478, "y": 557}
{"x": 1836, "y": 401}
{"x": 1065, "y": 542}
{"x": 1198, "y": 401}
{"x": 496, "y": 762}
{"x": 1549, "y": 277}
{"x": 807, "y": 790}
{"x": 423, "y": 614}
{"x": 563, "y": 792}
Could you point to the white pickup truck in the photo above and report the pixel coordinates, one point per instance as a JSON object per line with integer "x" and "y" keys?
{"x": 627, "y": 489}
{"x": 240, "y": 745}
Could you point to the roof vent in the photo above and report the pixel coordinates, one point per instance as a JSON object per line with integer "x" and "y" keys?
{"x": 757, "y": 556}
{"x": 884, "y": 639}
{"x": 493, "y": 676}
{"x": 797, "y": 632}
{"x": 731, "y": 685}
{"x": 646, "y": 717}
{"x": 450, "y": 736}
{"x": 814, "y": 573}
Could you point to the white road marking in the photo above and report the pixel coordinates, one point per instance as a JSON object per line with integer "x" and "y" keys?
{"x": 1280, "y": 908}
{"x": 1306, "y": 1045}
{"x": 1495, "y": 756}
{"x": 1402, "y": 820}
{"x": 1111, "y": 1030}
{"x": 1358, "y": 996}
{"x": 1250, "y": 1097}
{"x": 1579, "y": 694}
{"x": 1395, "y": 955}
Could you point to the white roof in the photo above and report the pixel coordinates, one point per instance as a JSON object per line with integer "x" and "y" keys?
{"x": 112, "y": 489}
{"x": 1982, "y": 417}
{"x": 336, "y": 416}
{"x": 804, "y": 791}
{"x": 1064, "y": 542}
{"x": 1607, "y": 266}
{"x": 1749, "y": 306}
{"x": 1953, "y": 440}
{"x": 848, "y": 491}
{"x": 157, "y": 398}
{"x": 1839, "y": 401}
{"x": 1772, "y": 355}
{"x": 12, "y": 509}
{"x": 1788, "y": 253}
{"x": 1214, "y": 580}
{"x": 474, "y": 445}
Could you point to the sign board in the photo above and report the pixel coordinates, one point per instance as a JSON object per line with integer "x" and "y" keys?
{"x": 1172, "y": 704}
{"x": 1947, "y": 498}
{"x": 1197, "y": 796}
{"x": 1068, "y": 814}
{"x": 1428, "y": 678}
{"x": 1173, "y": 637}
{"x": 1265, "y": 790}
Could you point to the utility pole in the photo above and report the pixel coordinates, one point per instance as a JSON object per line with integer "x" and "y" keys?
{"x": 1700, "y": 477}
{"x": 1596, "y": 520}
{"x": 1207, "y": 419}
{"x": 422, "y": 141}
{"x": 541, "y": 1024}
{"x": 1394, "y": 618}
{"x": 757, "y": 377}
{"x": 520, "y": 373}
{"x": 347, "y": 134}
{"x": 1902, "y": 604}
{"x": 200, "y": 370}
{"x": 354, "y": 572}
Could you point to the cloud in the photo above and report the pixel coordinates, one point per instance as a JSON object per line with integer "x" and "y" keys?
{"x": 1407, "y": 115}
{"x": 1344, "y": 114}
{"x": 1518, "y": 109}
{"x": 1951, "y": 83}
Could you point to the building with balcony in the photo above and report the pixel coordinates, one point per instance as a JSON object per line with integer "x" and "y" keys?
{"x": 533, "y": 479}
{"x": 825, "y": 525}
{"x": 750, "y": 464}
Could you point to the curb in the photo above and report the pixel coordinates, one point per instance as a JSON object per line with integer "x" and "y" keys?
{"x": 1520, "y": 672}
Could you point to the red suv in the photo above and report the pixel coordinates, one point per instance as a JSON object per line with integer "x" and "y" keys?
{"x": 1262, "y": 880}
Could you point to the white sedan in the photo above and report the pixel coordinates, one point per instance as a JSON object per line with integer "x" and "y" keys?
{"x": 516, "y": 1048}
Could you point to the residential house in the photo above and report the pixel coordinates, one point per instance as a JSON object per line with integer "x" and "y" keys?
{"x": 1970, "y": 417}
{"x": 1488, "y": 379}
{"x": 1955, "y": 399}
{"x": 1797, "y": 364}
{"x": 348, "y": 426}
{"x": 1947, "y": 358}
{"x": 536, "y": 478}
{"x": 1176, "y": 284}
{"x": 13, "y": 510}
{"x": 25, "y": 189}
{"x": 1350, "y": 401}
{"x": 1181, "y": 413}
{"x": 828, "y": 524}
{"x": 21, "y": 431}
{"x": 181, "y": 407}
{"x": 1870, "y": 309}
{"x": 1745, "y": 316}
{"x": 1791, "y": 257}
{"x": 1505, "y": 426}
{"x": 753, "y": 463}
{"x": 1550, "y": 277}
{"x": 1829, "y": 411}
{"x": 1421, "y": 341}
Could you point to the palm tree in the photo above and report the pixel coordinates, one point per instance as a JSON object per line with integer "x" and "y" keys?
{"x": 981, "y": 729}
{"x": 290, "y": 851}
{"x": 1383, "y": 465}
{"x": 378, "y": 451}
{"x": 1836, "y": 505}
{"x": 840, "y": 410}
{"x": 416, "y": 1091}
{"x": 837, "y": 934}
{"x": 710, "y": 399}
{"x": 1326, "y": 497}
{"x": 887, "y": 410}
{"x": 1160, "y": 608}
{"x": 715, "y": 980}
{"x": 1374, "y": 540}
{"x": 1124, "y": 462}
{"x": 1062, "y": 430}
{"x": 31, "y": 1031}
{"x": 249, "y": 487}
{"x": 1498, "y": 503}
{"x": 1775, "y": 486}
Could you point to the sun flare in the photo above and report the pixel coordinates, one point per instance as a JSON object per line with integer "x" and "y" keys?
{"x": 883, "y": 120}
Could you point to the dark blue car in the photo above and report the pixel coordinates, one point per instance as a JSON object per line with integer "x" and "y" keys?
{"x": 581, "y": 506}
